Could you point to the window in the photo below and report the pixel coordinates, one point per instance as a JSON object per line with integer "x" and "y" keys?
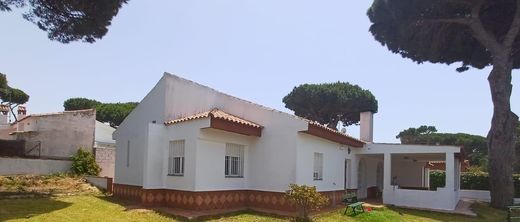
{"x": 318, "y": 166}
{"x": 128, "y": 154}
{"x": 234, "y": 160}
{"x": 176, "y": 158}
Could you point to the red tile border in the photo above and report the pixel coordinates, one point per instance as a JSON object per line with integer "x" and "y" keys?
{"x": 214, "y": 200}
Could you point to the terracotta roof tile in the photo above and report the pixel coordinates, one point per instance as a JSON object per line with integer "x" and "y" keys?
{"x": 217, "y": 114}
{"x": 314, "y": 123}
{"x": 4, "y": 108}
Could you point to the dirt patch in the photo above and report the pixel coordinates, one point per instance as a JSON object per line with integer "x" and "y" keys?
{"x": 22, "y": 186}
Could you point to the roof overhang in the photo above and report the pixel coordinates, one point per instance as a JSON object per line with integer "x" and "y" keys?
{"x": 234, "y": 127}
{"x": 224, "y": 121}
{"x": 329, "y": 134}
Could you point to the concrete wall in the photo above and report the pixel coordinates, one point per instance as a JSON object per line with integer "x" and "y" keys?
{"x": 99, "y": 182}
{"x": 12, "y": 166}
{"x": 105, "y": 158}
{"x": 480, "y": 195}
{"x": 442, "y": 199}
{"x": 60, "y": 134}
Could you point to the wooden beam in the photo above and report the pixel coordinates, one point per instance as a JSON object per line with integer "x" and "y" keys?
{"x": 234, "y": 127}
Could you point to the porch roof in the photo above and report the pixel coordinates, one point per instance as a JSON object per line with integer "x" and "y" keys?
{"x": 224, "y": 121}
{"x": 327, "y": 133}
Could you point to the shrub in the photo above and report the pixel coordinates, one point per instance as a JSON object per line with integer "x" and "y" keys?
{"x": 84, "y": 163}
{"x": 437, "y": 179}
{"x": 307, "y": 198}
{"x": 470, "y": 181}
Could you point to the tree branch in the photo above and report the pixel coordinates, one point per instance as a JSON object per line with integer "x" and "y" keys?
{"x": 465, "y": 2}
{"x": 513, "y": 30}
{"x": 463, "y": 21}
{"x": 484, "y": 37}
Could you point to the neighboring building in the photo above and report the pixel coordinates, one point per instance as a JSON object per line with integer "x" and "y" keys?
{"x": 105, "y": 149}
{"x": 191, "y": 147}
{"x": 441, "y": 165}
{"x": 56, "y": 135}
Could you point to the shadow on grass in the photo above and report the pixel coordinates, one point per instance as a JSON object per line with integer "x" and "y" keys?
{"x": 135, "y": 205}
{"x": 484, "y": 211}
{"x": 27, "y": 208}
{"x": 242, "y": 212}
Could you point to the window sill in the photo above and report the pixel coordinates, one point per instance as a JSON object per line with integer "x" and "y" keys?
{"x": 234, "y": 177}
{"x": 318, "y": 179}
{"x": 175, "y": 175}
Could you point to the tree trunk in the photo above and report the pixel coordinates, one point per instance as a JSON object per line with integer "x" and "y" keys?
{"x": 501, "y": 136}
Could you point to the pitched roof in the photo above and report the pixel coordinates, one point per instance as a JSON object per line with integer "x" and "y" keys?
{"x": 217, "y": 114}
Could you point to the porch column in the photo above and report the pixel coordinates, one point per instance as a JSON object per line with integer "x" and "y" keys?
{"x": 450, "y": 171}
{"x": 387, "y": 169}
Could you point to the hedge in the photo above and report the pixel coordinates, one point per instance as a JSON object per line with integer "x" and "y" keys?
{"x": 470, "y": 181}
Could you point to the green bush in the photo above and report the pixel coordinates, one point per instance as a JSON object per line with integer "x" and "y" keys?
{"x": 84, "y": 163}
{"x": 470, "y": 181}
{"x": 307, "y": 198}
{"x": 437, "y": 179}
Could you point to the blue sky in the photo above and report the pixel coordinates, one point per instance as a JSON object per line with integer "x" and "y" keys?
{"x": 256, "y": 50}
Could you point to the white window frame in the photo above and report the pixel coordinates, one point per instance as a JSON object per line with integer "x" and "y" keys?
{"x": 234, "y": 161}
{"x": 176, "y": 158}
{"x": 317, "y": 172}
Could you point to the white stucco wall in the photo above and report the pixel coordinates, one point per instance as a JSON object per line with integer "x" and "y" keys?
{"x": 372, "y": 171}
{"x": 135, "y": 129}
{"x": 157, "y": 171}
{"x": 442, "y": 199}
{"x": 408, "y": 173}
{"x": 211, "y": 151}
{"x": 334, "y": 156}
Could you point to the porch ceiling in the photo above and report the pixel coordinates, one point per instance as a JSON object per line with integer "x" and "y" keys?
{"x": 420, "y": 156}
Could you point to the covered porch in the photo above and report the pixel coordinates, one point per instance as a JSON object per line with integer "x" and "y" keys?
{"x": 399, "y": 174}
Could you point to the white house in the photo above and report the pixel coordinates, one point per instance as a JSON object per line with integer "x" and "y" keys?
{"x": 191, "y": 147}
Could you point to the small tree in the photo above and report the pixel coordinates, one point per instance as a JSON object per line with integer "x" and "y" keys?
{"x": 80, "y": 103}
{"x": 307, "y": 198}
{"x": 84, "y": 163}
{"x": 330, "y": 103}
{"x": 112, "y": 113}
{"x": 11, "y": 97}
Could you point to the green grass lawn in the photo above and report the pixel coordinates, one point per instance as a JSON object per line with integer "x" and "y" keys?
{"x": 101, "y": 208}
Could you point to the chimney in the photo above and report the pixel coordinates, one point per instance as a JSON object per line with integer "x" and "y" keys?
{"x": 4, "y": 118}
{"x": 22, "y": 112}
{"x": 366, "y": 121}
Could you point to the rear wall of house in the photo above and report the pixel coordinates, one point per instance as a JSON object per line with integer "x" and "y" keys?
{"x": 132, "y": 137}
